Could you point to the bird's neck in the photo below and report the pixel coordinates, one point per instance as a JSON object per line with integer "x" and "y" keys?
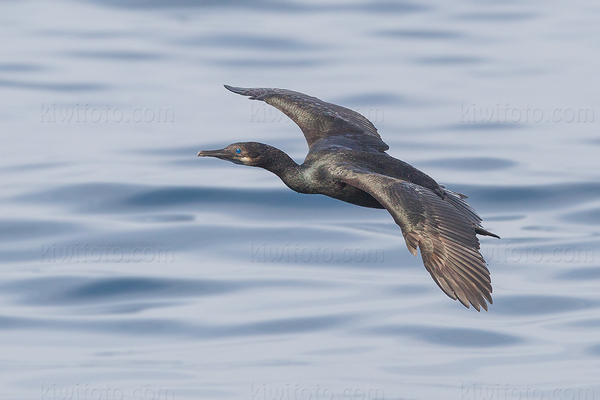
{"x": 287, "y": 169}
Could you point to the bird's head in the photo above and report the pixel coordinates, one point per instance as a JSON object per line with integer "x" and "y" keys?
{"x": 246, "y": 153}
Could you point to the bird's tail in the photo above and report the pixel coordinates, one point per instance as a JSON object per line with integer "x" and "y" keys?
{"x": 458, "y": 201}
{"x": 482, "y": 231}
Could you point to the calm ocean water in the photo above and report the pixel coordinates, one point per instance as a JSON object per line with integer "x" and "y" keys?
{"x": 133, "y": 270}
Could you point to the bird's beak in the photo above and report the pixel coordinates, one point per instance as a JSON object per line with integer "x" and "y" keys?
{"x": 213, "y": 153}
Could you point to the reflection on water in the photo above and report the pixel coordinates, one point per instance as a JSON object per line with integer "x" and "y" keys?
{"x": 133, "y": 266}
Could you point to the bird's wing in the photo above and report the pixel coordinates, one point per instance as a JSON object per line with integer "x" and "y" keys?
{"x": 316, "y": 118}
{"x": 446, "y": 237}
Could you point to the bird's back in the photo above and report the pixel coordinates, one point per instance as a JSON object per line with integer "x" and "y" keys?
{"x": 333, "y": 151}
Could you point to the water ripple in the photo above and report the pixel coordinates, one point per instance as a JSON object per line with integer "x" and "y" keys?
{"x": 378, "y": 7}
{"x": 483, "y": 126}
{"x": 540, "y": 304}
{"x": 498, "y": 16}
{"x": 500, "y": 198}
{"x": 169, "y": 327}
{"x": 19, "y": 229}
{"x": 454, "y": 337}
{"x": 53, "y": 86}
{"x": 594, "y": 350}
{"x": 20, "y": 67}
{"x": 16, "y": 168}
{"x": 114, "y": 197}
{"x": 582, "y": 274}
{"x": 420, "y": 34}
{"x": 117, "y": 55}
{"x": 249, "y": 41}
{"x": 446, "y": 60}
{"x": 76, "y": 291}
{"x": 270, "y": 63}
{"x": 471, "y": 163}
{"x": 588, "y": 217}
{"x": 373, "y": 99}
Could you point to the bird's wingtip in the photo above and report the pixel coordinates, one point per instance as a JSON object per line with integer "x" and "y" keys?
{"x": 238, "y": 90}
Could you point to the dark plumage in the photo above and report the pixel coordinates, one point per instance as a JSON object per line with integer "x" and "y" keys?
{"x": 347, "y": 161}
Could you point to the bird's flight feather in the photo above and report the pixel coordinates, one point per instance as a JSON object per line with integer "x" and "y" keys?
{"x": 316, "y": 118}
{"x": 446, "y": 238}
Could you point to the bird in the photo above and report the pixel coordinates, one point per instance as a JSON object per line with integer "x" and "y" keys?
{"x": 347, "y": 160}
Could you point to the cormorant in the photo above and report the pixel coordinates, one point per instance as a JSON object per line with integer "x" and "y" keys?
{"x": 347, "y": 160}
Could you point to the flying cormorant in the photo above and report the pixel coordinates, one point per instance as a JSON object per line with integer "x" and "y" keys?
{"x": 347, "y": 160}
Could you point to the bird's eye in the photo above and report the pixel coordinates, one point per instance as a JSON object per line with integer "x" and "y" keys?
{"x": 238, "y": 151}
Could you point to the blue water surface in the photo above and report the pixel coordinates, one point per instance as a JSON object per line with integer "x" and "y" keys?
{"x": 133, "y": 270}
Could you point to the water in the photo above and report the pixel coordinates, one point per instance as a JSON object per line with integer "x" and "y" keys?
{"x": 133, "y": 270}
